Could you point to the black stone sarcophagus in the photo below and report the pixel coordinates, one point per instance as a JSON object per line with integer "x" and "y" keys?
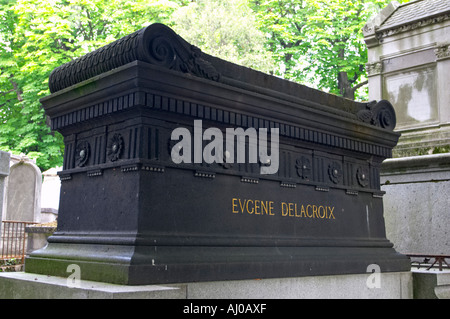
{"x": 132, "y": 213}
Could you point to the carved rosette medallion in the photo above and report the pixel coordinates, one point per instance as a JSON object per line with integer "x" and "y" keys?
{"x": 115, "y": 147}
{"x": 82, "y": 153}
{"x": 303, "y": 166}
{"x": 362, "y": 176}
{"x": 335, "y": 172}
{"x": 385, "y": 118}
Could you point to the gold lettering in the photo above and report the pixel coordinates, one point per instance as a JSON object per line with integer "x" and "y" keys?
{"x": 331, "y": 212}
{"x": 307, "y": 211}
{"x": 323, "y": 212}
{"x": 291, "y": 209}
{"x": 284, "y": 212}
{"x": 248, "y": 201}
{"x": 303, "y": 213}
{"x": 264, "y": 207}
{"x": 234, "y": 205}
{"x": 296, "y": 211}
{"x": 257, "y": 202}
{"x": 242, "y": 206}
{"x": 271, "y": 208}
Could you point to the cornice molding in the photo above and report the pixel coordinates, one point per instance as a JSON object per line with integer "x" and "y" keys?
{"x": 382, "y": 33}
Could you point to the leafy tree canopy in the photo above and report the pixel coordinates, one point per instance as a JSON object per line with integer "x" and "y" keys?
{"x": 319, "y": 42}
{"x": 38, "y": 35}
{"x": 226, "y": 29}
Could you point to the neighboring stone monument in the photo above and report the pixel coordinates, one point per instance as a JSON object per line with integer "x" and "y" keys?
{"x": 153, "y": 192}
{"x": 4, "y": 172}
{"x": 23, "y": 190}
{"x": 37, "y": 234}
{"x": 409, "y": 64}
{"x": 416, "y": 204}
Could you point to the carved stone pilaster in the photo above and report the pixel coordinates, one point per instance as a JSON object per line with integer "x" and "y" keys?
{"x": 374, "y": 68}
{"x": 442, "y": 51}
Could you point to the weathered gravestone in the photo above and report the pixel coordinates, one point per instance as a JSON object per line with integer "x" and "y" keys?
{"x": 4, "y": 172}
{"x": 149, "y": 195}
{"x": 23, "y": 190}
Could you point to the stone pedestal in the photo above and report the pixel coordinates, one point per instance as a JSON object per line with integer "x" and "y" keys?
{"x": 442, "y": 289}
{"x": 416, "y": 203}
{"x": 391, "y": 286}
{"x": 20, "y": 285}
{"x": 431, "y": 284}
{"x": 37, "y": 236}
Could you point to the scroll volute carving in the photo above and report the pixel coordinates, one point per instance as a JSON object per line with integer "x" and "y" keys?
{"x": 381, "y": 114}
{"x": 156, "y": 44}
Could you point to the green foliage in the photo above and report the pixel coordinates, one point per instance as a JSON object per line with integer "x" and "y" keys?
{"x": 319, "y": 42}
{"x": 38, "y": 35}
{"x": 441, "y": 149}
{"x": 284, "y": 23}
{"x": 227, "y": 29}
{"x": 8, "y": 265}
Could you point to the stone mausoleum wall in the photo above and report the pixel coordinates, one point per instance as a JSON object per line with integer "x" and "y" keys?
{"x": 409, "y": 64}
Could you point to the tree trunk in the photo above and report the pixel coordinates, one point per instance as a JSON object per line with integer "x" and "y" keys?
{"x": 345, "y": 87}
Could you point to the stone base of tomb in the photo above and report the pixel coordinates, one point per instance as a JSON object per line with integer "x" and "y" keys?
{"x": 396, "y": 285}
{"x": 142, "y": 265}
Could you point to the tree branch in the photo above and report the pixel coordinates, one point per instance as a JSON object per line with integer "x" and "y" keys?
{"x": 360, "y": 85}
{"x": 6, "y": 92}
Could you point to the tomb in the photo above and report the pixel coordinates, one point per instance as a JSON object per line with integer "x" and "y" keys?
{"x": 131, "y": 214}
